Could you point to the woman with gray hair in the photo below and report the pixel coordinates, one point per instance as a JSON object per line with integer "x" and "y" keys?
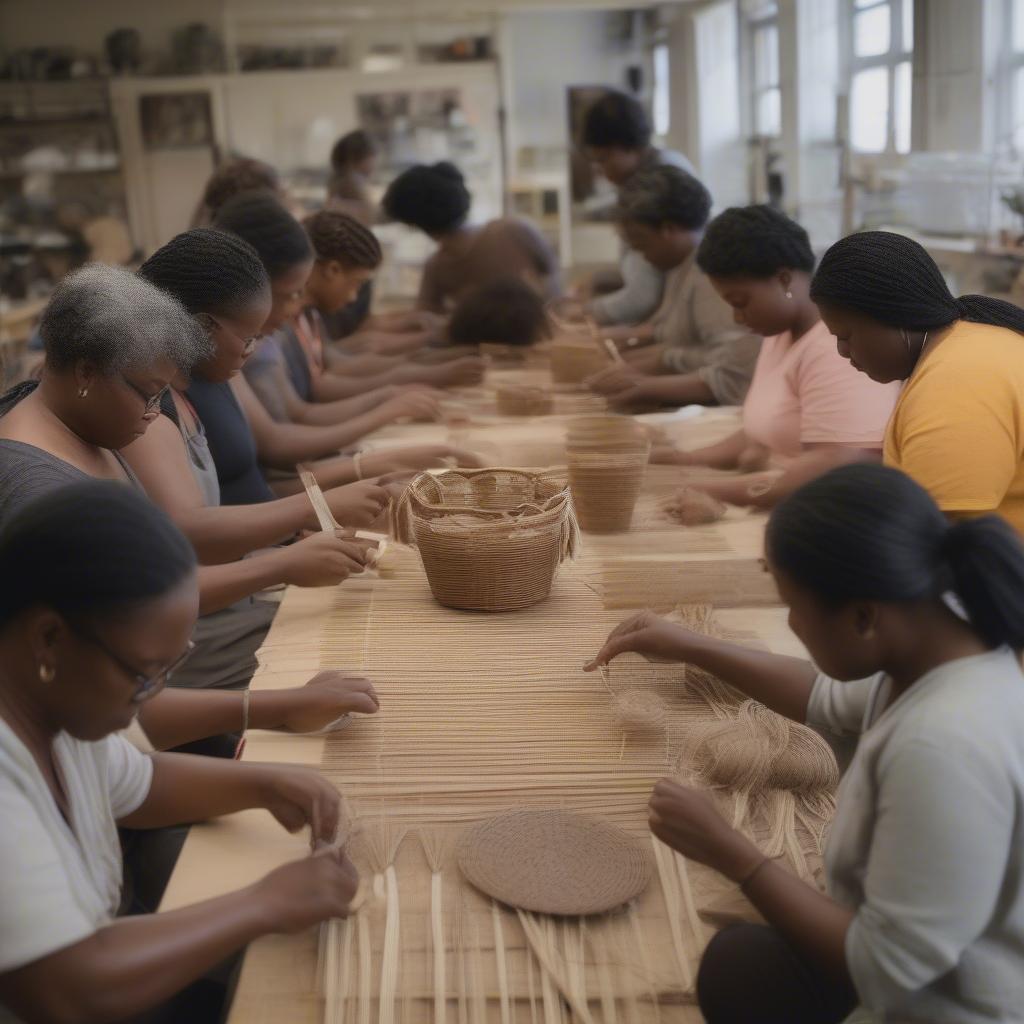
{"x": 114, "y": 343}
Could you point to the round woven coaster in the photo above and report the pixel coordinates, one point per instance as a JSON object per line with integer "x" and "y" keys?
{"x": 554, "y": 862}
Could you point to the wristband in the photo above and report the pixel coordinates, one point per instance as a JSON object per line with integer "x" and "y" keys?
{"x": 245, "y": 711}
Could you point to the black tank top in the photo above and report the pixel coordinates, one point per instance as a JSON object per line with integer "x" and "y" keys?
{"x": 231, "y": 443}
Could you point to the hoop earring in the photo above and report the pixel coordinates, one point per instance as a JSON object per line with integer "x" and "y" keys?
{"x": 82, "y": 392}
{"x": 47, "y": 673}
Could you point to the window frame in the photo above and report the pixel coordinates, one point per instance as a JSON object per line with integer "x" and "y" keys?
{"x": 1012, "y": 64}
{"x": 896, "y": 55}
{"x": 754, "y": 22}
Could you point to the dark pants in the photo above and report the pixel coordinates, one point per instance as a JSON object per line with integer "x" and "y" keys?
{"x": 749, "y": 974}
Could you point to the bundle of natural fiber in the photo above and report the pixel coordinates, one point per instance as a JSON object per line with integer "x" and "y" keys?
{"x": 520, "y": 400}
{"x": 692, "y": 507}
{"x": 607, "y": 457}
{"x": 490, "y": 539}
{"x": 779, "y": 773}
{"x": 554, "y": 862}
{"x": 573, "y": 359}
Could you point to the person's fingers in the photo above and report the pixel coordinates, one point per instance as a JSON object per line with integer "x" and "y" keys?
{"x": 328, "y": 812}
{"x": 363, "y": 703}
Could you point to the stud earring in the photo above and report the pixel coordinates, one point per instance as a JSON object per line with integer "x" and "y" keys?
{"x": 47, "y": 673}
{"x": 789, "y": 295}
{"x": 82, "y": 392}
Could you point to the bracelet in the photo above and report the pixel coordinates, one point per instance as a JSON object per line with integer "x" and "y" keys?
{"x": 357, "y": 465}
{"x": 753, "y": 872}
{"x": 245, "y": 710}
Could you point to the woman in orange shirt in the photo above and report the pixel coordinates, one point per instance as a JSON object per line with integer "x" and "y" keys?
{"x": 958, "y": 427}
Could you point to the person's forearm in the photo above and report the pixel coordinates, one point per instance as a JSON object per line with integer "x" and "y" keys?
{"x": 136, "y": 963}
{"x": 364, "y": 365}
{"x": 766, "y": 490}
{"x": 678, "y": 389}
{"x": 290, "y": 443}
{"x": 174, "y": 717}
{"x": 328, "y": 414}
{"x": 226, "y": 533}
{"x": 187, "y": 789}
{"x": 723, "y": 455}
{"x": 813, "y": 924}
{"x": 779, "y": 682}
{"x": 223, "y": 585}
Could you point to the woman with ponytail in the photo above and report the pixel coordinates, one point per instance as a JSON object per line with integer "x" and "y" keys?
{"x": 957, "y": 427}
{"x": 915, "y": 627}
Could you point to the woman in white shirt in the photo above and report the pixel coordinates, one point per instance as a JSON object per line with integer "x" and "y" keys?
{"x": 924, "y": 917}
{"x": 99, "y": 602}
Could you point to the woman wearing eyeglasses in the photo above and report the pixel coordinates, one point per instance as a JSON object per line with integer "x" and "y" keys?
{"x": 106, "y": 601}
{"x": 113, "y": 345}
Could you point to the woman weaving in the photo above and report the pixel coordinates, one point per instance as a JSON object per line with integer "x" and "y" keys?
{"x": 807, "y": 407}
{"x": 957, "y": 427}
{"x": 114, "y": 344}
{"x": 924, "y": 916}
{"x": 105, "y": 604}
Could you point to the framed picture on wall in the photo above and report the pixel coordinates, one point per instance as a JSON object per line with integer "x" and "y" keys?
{"x": 176, "y": 120}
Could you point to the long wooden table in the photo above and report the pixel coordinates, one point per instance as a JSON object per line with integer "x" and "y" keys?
{"x": 378, "y": 761}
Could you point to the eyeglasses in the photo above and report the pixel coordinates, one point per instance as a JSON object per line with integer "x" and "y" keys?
{"x": 247, "y": 344}
{"x": 152, "y": 401}
{"x": 145, "y": 686}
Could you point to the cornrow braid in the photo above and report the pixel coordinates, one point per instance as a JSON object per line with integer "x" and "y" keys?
{"x": 269, "y": 228}
{"x": 892, "y": 279}
{"x": 208, "y": 271}
{"x": 337, "y": 236}
{"x": 753, "y": 242}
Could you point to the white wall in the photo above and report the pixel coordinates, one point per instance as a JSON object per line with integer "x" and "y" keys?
{"x": 542, "y": 53}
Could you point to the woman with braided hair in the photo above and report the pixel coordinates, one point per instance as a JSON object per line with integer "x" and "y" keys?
{"x": 300, "y": 377}
{"x": 806, "y": 405}
{"x": 242, "y": 436}
{"x": 957, "y": 427}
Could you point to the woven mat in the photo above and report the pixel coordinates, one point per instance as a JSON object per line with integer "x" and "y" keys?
{"x": 482, "y": 714}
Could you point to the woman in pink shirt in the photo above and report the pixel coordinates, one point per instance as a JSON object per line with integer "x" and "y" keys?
{"x": 807, "y": 410}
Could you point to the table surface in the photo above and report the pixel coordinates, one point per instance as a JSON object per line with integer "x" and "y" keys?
{"x": 358, "y": 625}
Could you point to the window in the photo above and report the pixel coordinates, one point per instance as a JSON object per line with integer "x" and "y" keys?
{"x": 1015, "y": 66}
{"x": 765, "y": 96}
{"x": 881, "y": 41}
{"x": 662, "y": 90}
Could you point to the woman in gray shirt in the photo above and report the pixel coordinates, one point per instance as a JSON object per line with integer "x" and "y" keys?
{"x": 916, "y": 628}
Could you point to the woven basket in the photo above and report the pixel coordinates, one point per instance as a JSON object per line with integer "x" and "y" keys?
{"x": 607, "y": 457}
{"x": 573, "y": 361}
{"x": 519, "y": 400}
{"x": 490, "y": 539}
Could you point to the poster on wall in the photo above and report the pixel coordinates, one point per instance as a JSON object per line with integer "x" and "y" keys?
{"x": 176, "y": 120}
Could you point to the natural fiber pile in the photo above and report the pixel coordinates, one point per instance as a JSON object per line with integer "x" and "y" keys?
{"x": 691, "y": 507}
{"x": 554, "y": 862}
{"x": 490, "y": 539}
{"x": 575, "y": 359}
{"x": 778, "y": 772}
{"x": 513, "y": 400}
{"x": 607, "y": 457}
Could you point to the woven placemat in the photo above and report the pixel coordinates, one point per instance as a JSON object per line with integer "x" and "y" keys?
{"x": 554, "y": 862}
